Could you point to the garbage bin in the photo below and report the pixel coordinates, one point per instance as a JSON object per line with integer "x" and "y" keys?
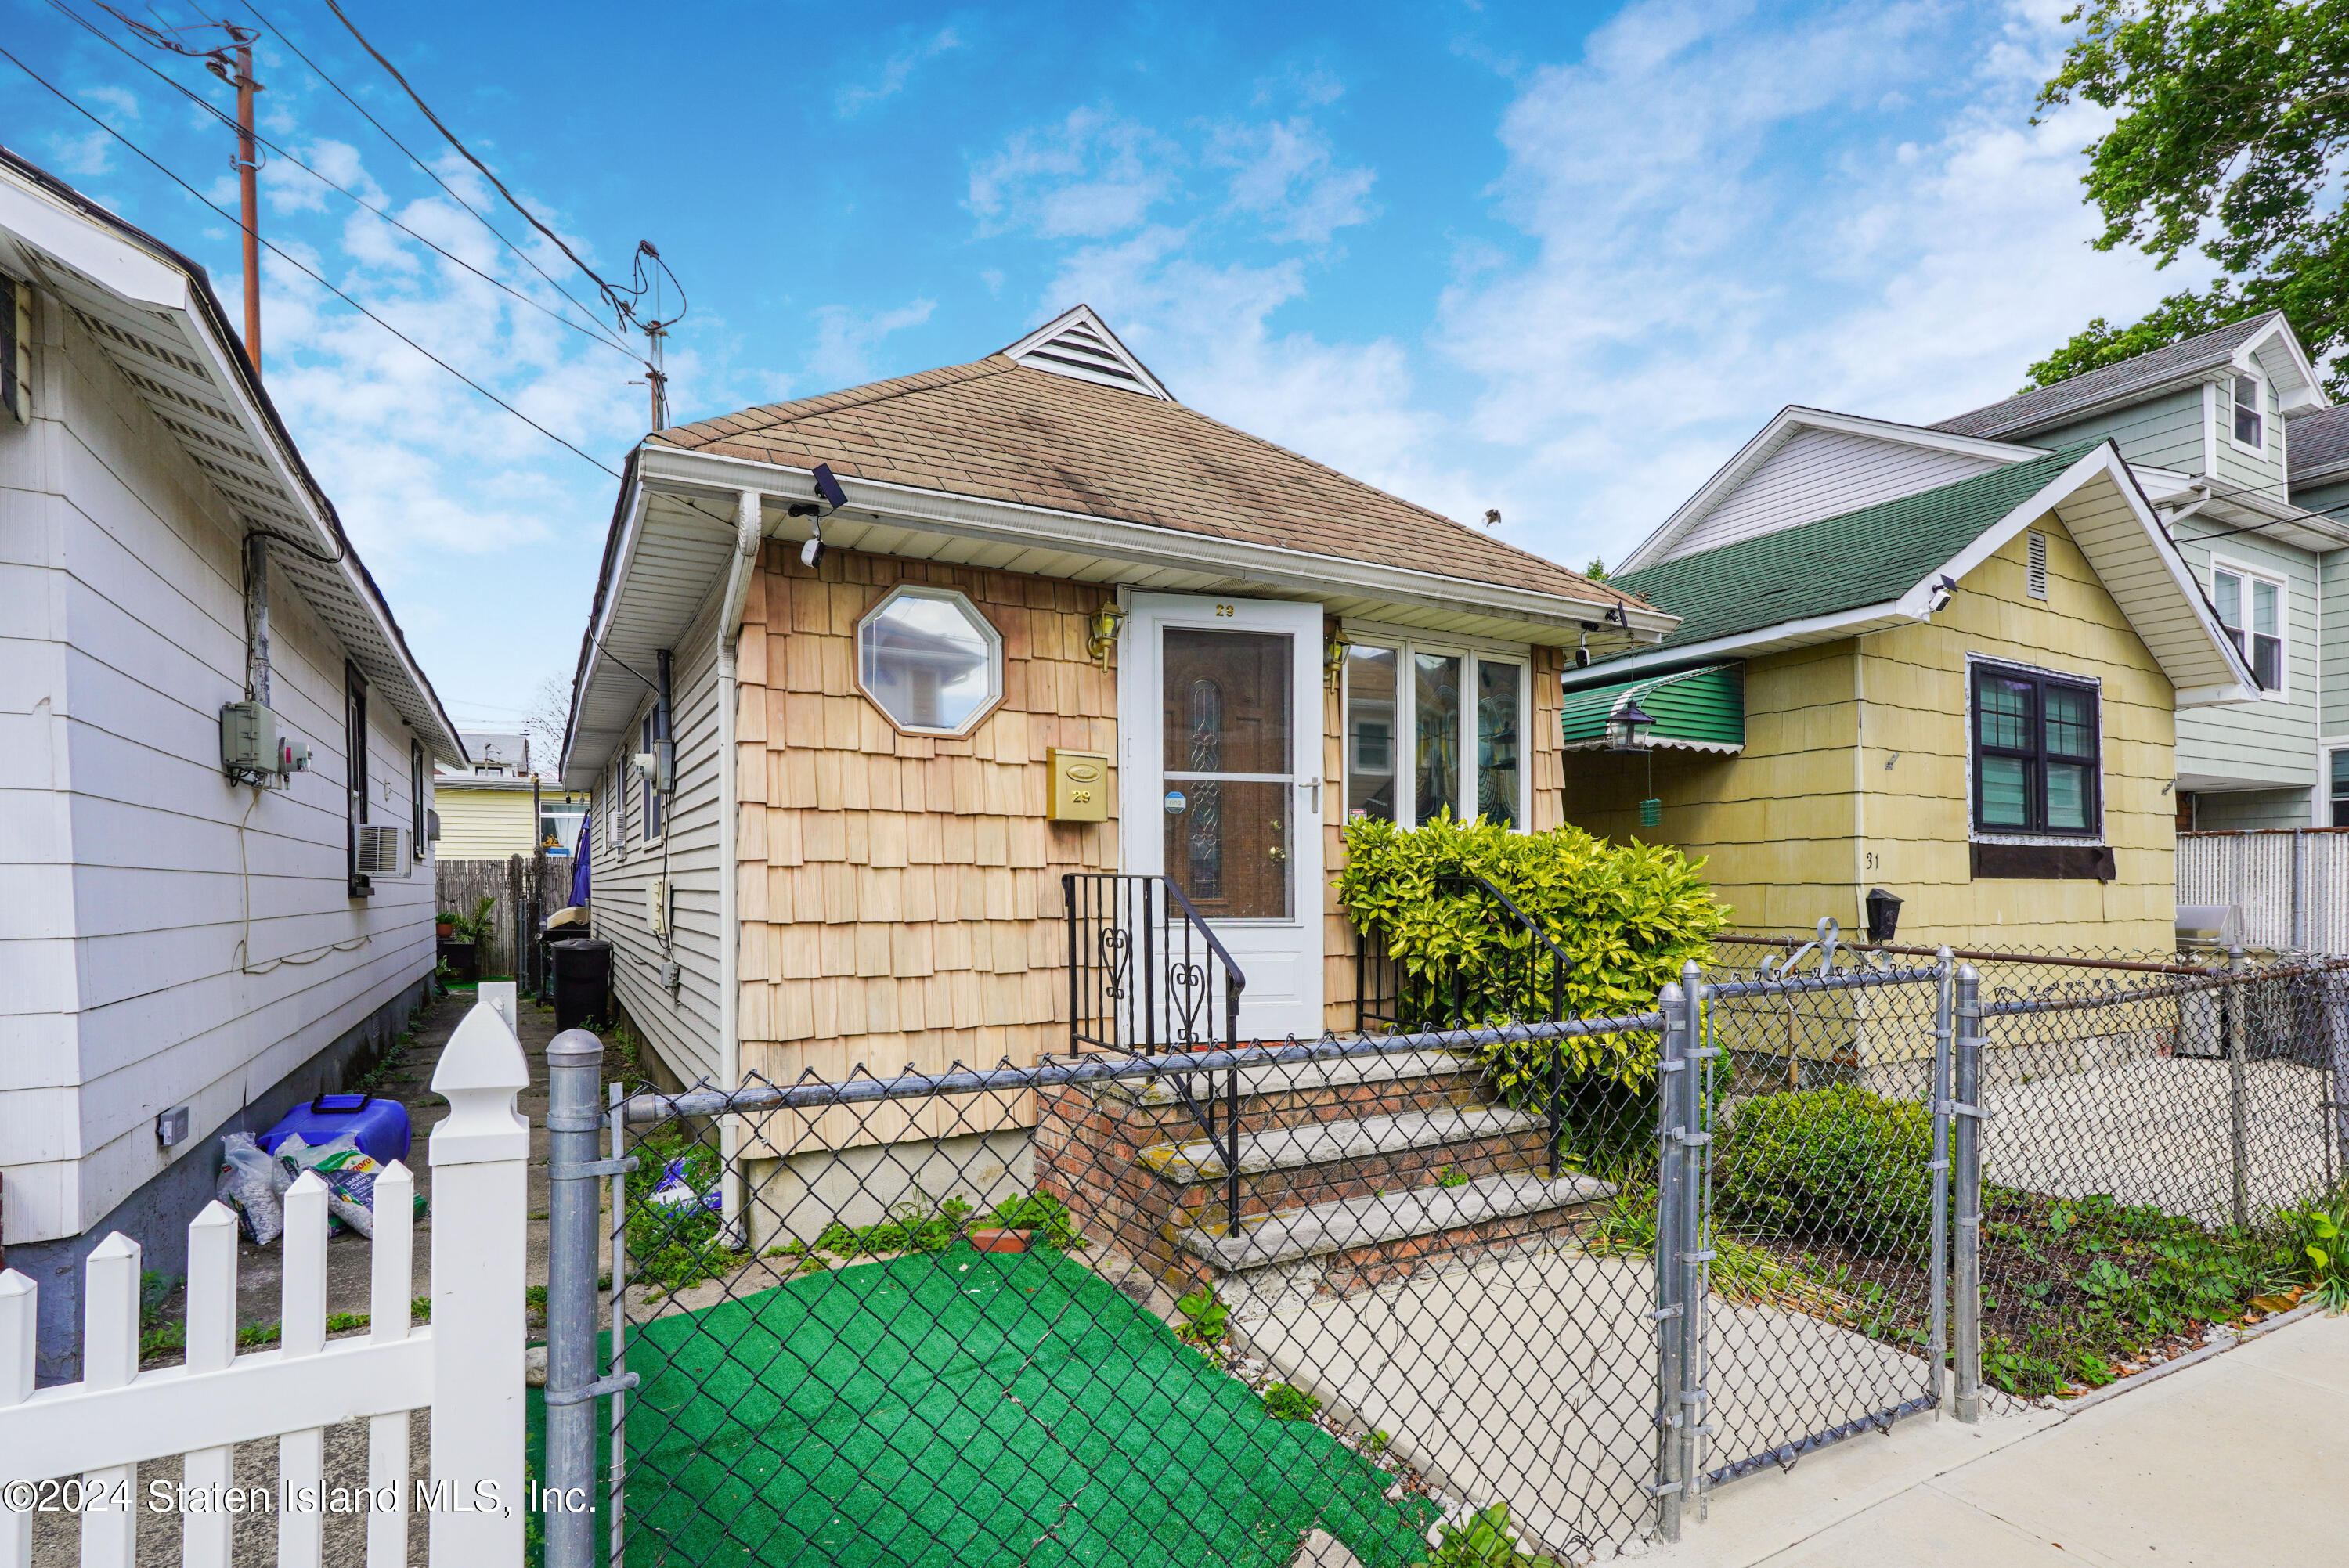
{"x": 583, "y": 982}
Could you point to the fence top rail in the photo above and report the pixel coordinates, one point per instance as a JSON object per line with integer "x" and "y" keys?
{"x": 1975, "y": 954}
{"x": 1794, "y": 985}
{"x": 2203, "y": 983}
{"x": 1052, "y": 1072}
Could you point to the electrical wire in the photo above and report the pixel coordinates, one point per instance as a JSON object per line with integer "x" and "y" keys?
{"x": 622, "y": 303}
{"x": 429, "y": 172}
{"x": 66, "y": 98}
{"x": 217, "y": 113}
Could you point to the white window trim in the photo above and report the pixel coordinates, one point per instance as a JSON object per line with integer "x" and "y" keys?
{"x": 2321, "y": 797}
{"x": 2236, "y": 567}
{"x": 1468, "y": 650}
{"x": 2227, "y": 410}
{"x": 996, "y": 677}
{"x": 641, "y": 788}
{"x": 2103, "y": 839}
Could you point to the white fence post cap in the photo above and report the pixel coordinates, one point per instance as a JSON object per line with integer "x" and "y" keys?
{"x": 480, "y": 1071}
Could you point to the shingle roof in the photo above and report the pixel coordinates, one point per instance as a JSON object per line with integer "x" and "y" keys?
{"x": 2319, "y": 442}
{"x": 2043, "y": 407}
{"x": 1843, "y": 563}
{"x": 1005, "y": 432}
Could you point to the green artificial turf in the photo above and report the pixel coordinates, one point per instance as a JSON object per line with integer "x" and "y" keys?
{"x": 964, "y": 1407}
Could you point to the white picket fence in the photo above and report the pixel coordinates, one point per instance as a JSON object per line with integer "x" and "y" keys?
{"x": 465, "y": 1368}
{"x": 2290, "y": 884}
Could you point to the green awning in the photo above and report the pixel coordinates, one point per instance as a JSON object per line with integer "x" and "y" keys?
{"x": 1696, "y": 710}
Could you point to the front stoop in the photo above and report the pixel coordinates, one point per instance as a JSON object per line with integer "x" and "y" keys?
{"x": 1353, "y": 1171}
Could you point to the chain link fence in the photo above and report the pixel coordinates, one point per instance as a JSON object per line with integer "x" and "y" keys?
{"x": 1235, "y": 1305}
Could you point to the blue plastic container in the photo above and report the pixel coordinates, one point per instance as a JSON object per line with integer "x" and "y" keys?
{"x": 381, "y": 1125}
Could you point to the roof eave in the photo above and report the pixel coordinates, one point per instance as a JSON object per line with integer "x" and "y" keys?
{"x": 945, "y": 512}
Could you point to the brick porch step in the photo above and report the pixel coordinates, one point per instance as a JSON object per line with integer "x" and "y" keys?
{"x": 1350, "y": 1224}
{"x": 1328, "y": 1142}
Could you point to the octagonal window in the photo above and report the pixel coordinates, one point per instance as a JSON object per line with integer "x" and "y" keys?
{"x": 929, "y": 660}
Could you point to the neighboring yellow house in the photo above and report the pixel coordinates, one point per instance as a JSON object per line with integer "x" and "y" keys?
{"x": 486, "y": 810}
{"x": 1967, "y": 696}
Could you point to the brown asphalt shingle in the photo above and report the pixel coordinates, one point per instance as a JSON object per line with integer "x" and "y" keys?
{"x": 1005, "y": 432}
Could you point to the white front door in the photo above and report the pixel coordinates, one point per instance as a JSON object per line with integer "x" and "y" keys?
{"x": 1219, "y": 702}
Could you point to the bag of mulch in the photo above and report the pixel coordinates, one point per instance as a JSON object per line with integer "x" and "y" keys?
{"x": 254, "y": 1186}
{"x": 349, "y": 1173}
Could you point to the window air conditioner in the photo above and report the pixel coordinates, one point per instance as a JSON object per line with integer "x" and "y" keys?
{"x": 383, "y": 852}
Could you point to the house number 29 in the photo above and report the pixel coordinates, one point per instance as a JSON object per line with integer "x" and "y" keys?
{"x": 1223, "y": 609}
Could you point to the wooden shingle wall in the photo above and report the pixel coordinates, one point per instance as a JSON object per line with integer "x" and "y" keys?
{"x": 900, "y": 893}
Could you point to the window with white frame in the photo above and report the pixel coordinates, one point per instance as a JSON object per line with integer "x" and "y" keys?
{"x": 2251, "y": 608}
{"x": 1430, "y": 729}
{"x": 2338, "y": 778}
{"x": 2250, "y": 427}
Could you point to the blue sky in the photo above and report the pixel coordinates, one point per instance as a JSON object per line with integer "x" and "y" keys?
{"x": 1558, "y": 260}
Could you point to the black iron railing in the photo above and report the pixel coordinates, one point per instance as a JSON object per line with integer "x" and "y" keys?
{"x": 1526, "y": 985}
{"x": 1147, "y": 976}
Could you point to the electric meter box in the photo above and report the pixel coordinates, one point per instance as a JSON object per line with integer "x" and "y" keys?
{"x": 249, "y": 740}
{"x": 1080, "y": 786}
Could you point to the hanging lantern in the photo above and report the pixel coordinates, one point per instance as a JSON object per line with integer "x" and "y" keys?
{"x": 1628, "y": 726}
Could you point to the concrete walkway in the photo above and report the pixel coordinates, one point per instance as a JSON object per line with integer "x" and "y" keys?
{"x": 2237, "y": 1461}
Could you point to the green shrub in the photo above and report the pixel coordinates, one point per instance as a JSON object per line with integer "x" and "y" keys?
{"x": 1828, "y": 1161}
{"x": 1626, "y": 915}
{"x": 1484, "y": 1540}
{"x": 2317, "y": 1249}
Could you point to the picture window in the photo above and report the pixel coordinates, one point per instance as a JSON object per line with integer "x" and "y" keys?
{"x": 1460, "y": 717}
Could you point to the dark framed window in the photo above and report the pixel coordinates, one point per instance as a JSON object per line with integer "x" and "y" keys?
{"x": 355, "y": 775}
{"x": 2036, "y": 754}
{"x": 654, "y": 820}
{"x": 2340, "y": 771}
{"x": 416, "y": 773}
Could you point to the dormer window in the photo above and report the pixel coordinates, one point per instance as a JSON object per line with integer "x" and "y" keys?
{"x": 2250, "y": 428}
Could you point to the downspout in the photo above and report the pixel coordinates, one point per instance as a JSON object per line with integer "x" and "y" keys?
{"x": 750, "y": 528}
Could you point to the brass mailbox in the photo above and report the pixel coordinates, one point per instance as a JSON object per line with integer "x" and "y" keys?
{"x": 1080, "y": 786}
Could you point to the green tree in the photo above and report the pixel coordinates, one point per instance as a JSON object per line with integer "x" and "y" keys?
{"x": 2232, "y": 120}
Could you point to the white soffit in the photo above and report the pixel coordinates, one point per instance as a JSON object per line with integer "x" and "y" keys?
{"x": 142, "y": 310}
{"x": 1078, "y": 344}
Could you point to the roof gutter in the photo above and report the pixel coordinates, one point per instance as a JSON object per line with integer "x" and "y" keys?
{"x": 938, "y": 512}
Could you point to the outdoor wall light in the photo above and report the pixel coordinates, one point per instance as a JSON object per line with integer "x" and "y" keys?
{"x": 832, "y": 497}
{"x": 1100, "y": 632}
{"x": 1628, "y": 726}
{"x": 1942, "y": 593}
{"x": 1333, "y": 659}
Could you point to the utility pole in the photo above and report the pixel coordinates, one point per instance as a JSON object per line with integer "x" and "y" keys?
{"x": 248, "y": 180}
{"x": 656, "y": 379}
{"x": 232, "y": 63}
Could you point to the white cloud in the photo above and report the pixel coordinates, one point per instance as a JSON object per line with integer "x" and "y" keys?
{"x": 1093, "y": 174}
{"x": 845, "y": 338}
{"x": 121, "y": 100}
{"x": 894, "y": 72}
{"x": 1721, "y": 226}
{"x": 1283, "y": 171}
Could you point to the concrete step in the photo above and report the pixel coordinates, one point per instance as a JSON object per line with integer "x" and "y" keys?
{"x": 1351, "y": 1223}
{"x": 1327, "y": 1142}
{"x": 1296, "y": 1078}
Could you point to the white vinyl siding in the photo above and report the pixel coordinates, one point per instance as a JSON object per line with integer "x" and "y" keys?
{"x": 121, "y": 634}
{"x": 682, "y": 1029}
{"x": 1823, "y": 473}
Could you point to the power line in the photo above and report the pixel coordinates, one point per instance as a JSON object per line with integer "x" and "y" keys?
{"x": 214, "y": 109}
{"x": 429, "y": 172}
{"x": 623, "y": 303}
{"x": 64, "y": 98}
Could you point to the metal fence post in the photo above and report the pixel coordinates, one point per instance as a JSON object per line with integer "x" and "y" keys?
{"x": 1936, "y": 1349}
{"x": 2238, "y": 1127}
{"x": 1965, "y": 1129}
{"x": 575, "y": 1071}
{"x": 1693, "y": 1254}
{"x": 1672, "y": 1065}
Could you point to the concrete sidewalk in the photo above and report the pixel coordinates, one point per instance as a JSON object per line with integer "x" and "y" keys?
{"x": 2236, "y": 1462}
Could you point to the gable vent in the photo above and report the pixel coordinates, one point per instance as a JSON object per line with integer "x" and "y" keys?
{"x": 1077, "y": 344}
{"x": 2036, "y": 577}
